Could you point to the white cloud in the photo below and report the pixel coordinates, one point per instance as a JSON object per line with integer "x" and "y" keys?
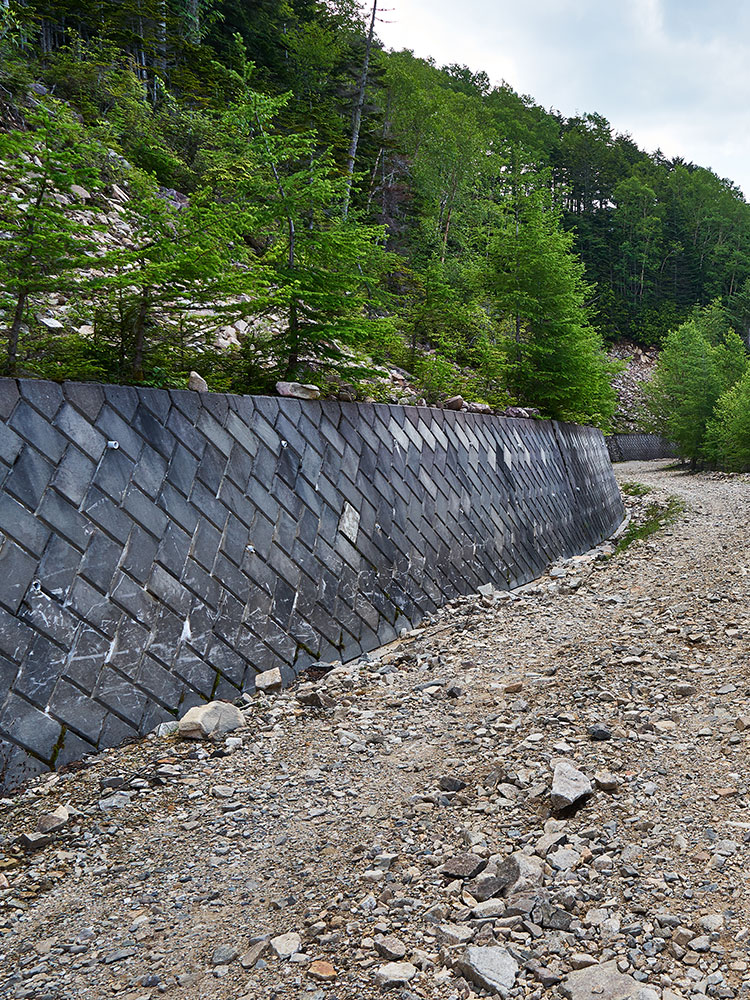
{"x": 675, "y": 75}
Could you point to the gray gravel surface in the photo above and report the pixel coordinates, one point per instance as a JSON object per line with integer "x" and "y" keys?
{"x": 390, "y": 825}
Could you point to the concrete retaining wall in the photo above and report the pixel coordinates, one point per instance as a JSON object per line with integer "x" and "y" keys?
{"x": 160, "y": 548}
{"x": 639, "y": 447}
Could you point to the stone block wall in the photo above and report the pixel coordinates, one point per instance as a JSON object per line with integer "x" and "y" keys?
{"x": 160, "y": 548}
{"x": 639, "y": 447}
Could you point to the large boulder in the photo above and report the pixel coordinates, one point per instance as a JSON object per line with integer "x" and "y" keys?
{"x": 569, "y": 786}
{"x": 204, "y": 722}
{"x": 604, "y": 982}
{"x": 395, "y": 974}
{"x": 520, "y": 872}
{"x": 298, "y": 390}
{"x": 492, "y": 968}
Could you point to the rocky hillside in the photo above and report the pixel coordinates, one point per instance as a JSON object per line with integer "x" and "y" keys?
{"x": 629, "y": 382}
{"x": 107, "y": 214}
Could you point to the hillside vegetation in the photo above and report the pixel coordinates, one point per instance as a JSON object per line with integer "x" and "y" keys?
{"x": 269, "y": 165}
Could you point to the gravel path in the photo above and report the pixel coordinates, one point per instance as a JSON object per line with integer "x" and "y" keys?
{"x": 402, "y": 835}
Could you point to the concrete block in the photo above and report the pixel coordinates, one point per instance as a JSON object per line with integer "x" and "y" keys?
{"x": 144, "y": 511}
{"x": 40, "y": 670}
{"x": 87, "y": 397}
{"x": 22, "y": 526}
{"x": 101, "y": 511}
{"x": 73, "y": 749}
{"x": 63, "y": 518}
{"x": 73, "y": 475}
{"x": 9, "y": 396}
{"x": 128, "y": 647}
{"x": 17, "y": 570}
{"x": 161, "y": 685}
{"x": 78, "y": 711}
{"x": 87, "y": 656}
{"x": 17, "y": 765}
{"x": 80, "y": 430}
{"x": 46, "y": 397}
{"x": 100, "y": 561}
{"x": 133, "y": 598}
{"x": 154, "y": 432}
{"x": 29, "y": 477}
{"x": 121, "y": 696}
{"x": 48, "y": 616}
{"x": 10, "y": 444}
{"x": 38, "y": 431}
{"x": 27, "y": 726}
{"x": 15, "y": 637}
{"x": 183, "y": 468}
{"x": 139, "y": 554}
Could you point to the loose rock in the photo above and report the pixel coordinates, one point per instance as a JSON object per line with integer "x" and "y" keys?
{"x": 206, "y": 721}
{"x": 491, "y": 968}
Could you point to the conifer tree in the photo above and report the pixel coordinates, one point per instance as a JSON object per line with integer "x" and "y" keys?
{"x": 45, "y": 168}
{"x": 538, "y": 293}
{"x": 318, "y": 271}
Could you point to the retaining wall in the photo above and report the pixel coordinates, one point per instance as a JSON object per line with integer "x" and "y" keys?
{"x": 639, "y": 447}
{"x": 160, "y": 548}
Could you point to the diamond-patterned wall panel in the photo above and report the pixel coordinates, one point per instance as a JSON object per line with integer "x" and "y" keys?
{"x": 639, "y": 447}
{"x": 160, "y": 548}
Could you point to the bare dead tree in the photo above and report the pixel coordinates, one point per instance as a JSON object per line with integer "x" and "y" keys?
{"x": 358, "y": 109}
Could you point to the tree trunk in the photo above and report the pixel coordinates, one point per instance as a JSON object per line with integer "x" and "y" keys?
{"x": 357, "y": 117}
{"x": 293, "y": 359}
{"x": 161, "y": 43}
{"x": 450, "y": 203}
{"x": 194, "y": 27}
{"x": 445, "y": 234}
{"x": 46, "y": 36}
{"x": 140, "y": 334}
{"x": 380, "y": 159}
{"x": 121, "y": 347}
{"x": 518, "y": 340}
{"x": 15, "y": 329}
{"x": 374, "y": 179}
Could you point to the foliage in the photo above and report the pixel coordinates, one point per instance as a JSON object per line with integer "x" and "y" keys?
{"x": 634, "y": 489}
{"x": 489, "y": 246}
{"x": 728, "y": 431}
{"x": 320, "y": 272}
{"x": 538, "y": 294}
{"x": 701, "y": 360}
{"x": 48, "y": 242}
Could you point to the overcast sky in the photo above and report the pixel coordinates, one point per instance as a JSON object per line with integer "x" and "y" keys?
{"x": 674, "y": 74}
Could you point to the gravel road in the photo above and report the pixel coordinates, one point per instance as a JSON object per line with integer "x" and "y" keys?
{"x": 538, "y": 794}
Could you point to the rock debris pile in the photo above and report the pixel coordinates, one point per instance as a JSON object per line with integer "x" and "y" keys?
{"x": 629, "y": 383}
{"x": 542, "y": 793}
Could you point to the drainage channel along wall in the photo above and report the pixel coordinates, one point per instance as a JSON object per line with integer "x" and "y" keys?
{"x": 160, "y": 548}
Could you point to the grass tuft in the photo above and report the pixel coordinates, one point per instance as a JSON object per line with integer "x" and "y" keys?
{"x": 632, "y": 489}
{"x": 654, "y": 517}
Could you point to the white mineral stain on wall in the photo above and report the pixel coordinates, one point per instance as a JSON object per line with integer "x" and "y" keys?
{"x": 349, "y": 523}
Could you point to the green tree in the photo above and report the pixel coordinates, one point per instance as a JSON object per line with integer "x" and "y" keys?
{"x": 538, "y": 293}
{"x": 320, "y": 272}
{"x": 691, "y": 376}
{"x": 46, "y": 170}
{"x": 639, "y": 223}
{"x": 728, "y": 431}
{"x": 184, "y": 260}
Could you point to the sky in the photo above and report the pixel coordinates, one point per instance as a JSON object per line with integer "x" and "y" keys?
{"x": 673, "y": 74}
